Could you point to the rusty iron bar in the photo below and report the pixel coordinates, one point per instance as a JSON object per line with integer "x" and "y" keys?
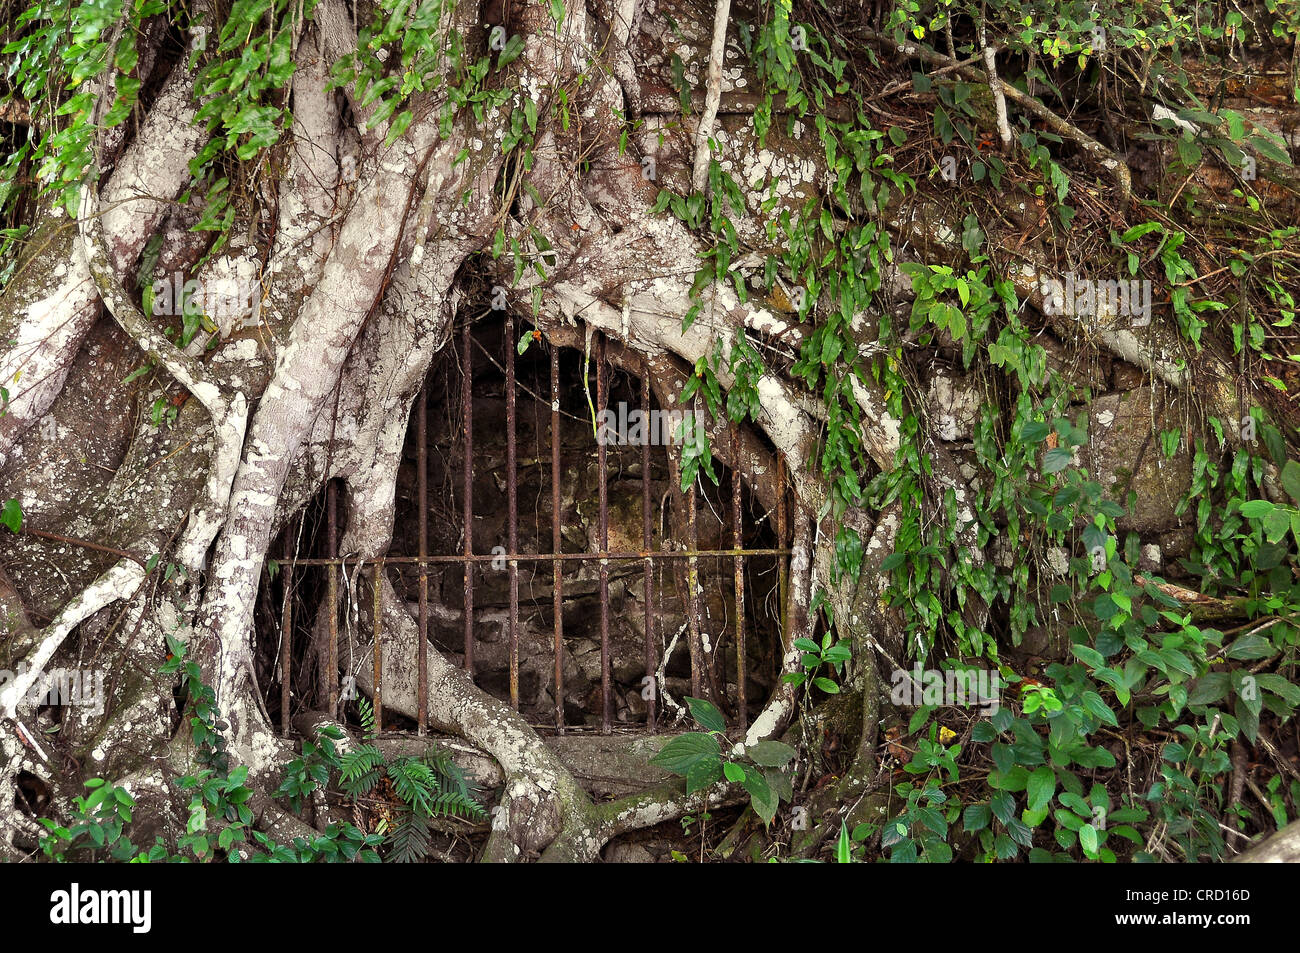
{"x": 331, "y": 687}
{"x": 422, "y": 491}
{"x": 782, "y": 571}
{"x": 742, "y": 712}
{"x": 646, "y": 557}
{"x": 647, "y": 571}
{"x": 467, "y": 409}
{"x": 286, "y": 631}
{"x": 512, "y": 505}
{"x": 692, "y": 606}
{"x": 613, "y": 557}
{"x": 602, "y": 400}
{"x": 557, "y": 587}
{"x": 377, "y": 615}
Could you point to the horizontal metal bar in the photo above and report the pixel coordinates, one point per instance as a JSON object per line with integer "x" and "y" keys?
{"x": 548, "y": 557}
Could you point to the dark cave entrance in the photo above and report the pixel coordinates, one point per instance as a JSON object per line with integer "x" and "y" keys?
{"x": 632, "y": 653}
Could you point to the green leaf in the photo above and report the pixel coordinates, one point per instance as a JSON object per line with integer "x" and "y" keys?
{"x": 680, "y": 753}
{"x": 1057, "y": 459}
{"x": 12, "y": 515}
{"x": 1250, "y": 646}
{"x": 1042, "y": 785}
{"x": 513, "y": 48}
{"x": 1098, "y": 707}
{"x": 782, "y": 784}
{"x": 1088, "y": 655}
{"x": 761, "y": 797}
{"x": 1209, "y": 689}
{"x": 843, "y": 852}
{"x": 1276, "y": 525}
{"x": 702, "y": 774}
{"x": 1088, "y": 839}
{"x": 733, "y": 772}
{"x": 1278, "y": 685}
{"x": 227, "y": 837}
{"x": 1103, "y": 607}
{"x": 1267, "y": 147}
{"x": 1291, "y": 479}
{"x": 399, "y": 126}
{"x": 1035, "y": 431}
{"x": 771, "y": 754}
{"x": 706, "y": 714}
{"x": 1003, "y": 806}
{"x": 976, "y": 817}
{"x": 1033, "y": 818}
{"x": 1137, "y": 231}
{"x": 1236, "y": 128}
{"x": 1256, "y": 509}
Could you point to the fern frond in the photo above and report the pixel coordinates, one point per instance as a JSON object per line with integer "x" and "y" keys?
{"x": 358, "y": 763}
{"x": 456, "y": 804}
{"x": 367, "y": 712}
{"x": 410, "y": 838}
{"x": 414, "y": 783}
{"x": 362, "y": 784}
{"x": 450, "y": 775}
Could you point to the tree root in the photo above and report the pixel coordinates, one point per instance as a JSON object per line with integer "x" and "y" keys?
{"x": 1281, "y": 848}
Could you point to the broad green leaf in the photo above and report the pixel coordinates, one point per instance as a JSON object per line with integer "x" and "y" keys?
{"x": 1276, "y": 525}
{"x": 1088, "y": 839}
{"x": 12, "y": 515}
{"x": 771, "y": 754}
{"x": 680, "y": 753}
{"x": 976, "y": 817}
{"x": 1042, "y": 785}
{"x": 1250, "y": 646}
{"x": 1291, "y": 479}
{"x": 706, "y": 714}
{"x": 1057, "y": 459}
{"x": 761, "y": 797}
{"x": 703, "y": 773}
{"x": 1256, "y": 509}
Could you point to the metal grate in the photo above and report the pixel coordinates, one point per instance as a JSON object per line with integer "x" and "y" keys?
{"x": 469, "y": 560}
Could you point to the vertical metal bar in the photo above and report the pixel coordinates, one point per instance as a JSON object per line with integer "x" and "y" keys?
{"x": 602, "y": 399}
{"x": 467, "y": 409}
{"x": 737, "y": 541}
{"x": 557, "y": 588}
{"x": 331, "y": 686}
{"x": 377, "y": 615}
{"x": 422, "y": 491}
{"x": 647, "y": 569}
{"x": 512, "y": 504}
{"x": 692, "y": 606}
{"x": 286, "y": 631}
{"x": 782, "y": 572}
